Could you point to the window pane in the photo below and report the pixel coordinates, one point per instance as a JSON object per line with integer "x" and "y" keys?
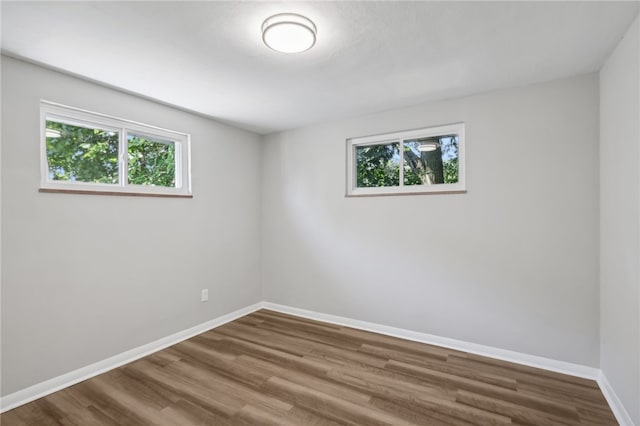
{"x": 429, "y": 161}
{"x": 378, "y": 165}
{"x": 81, "y": 154}
{"x": 152, "y": 161}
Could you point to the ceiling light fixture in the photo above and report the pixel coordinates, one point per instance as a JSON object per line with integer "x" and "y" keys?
{"x": 53, "y": 133}
{"x": 428, "y": 147}
{"x": 289, "y": 33}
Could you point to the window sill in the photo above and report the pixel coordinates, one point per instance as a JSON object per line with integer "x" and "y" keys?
{"x": 396, "y": 193}
{"x": 118, "y": 193}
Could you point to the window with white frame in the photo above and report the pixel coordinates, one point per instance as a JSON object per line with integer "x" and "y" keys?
{"x": 429, "y": 160}
{"x": 90, "y": 152}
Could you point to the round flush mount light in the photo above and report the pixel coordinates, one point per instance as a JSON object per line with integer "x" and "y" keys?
{"x": 428, "y": 147}
{"x": 53, "y": 133}
{"x": 289, "y": 33}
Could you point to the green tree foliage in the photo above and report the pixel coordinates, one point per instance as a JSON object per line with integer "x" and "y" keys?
{"x": 449, "y": 147}
{"x": 378, "y": 165}
{"x": 451, "y": 170}
{"x": 422, "y": 167}
{"x": 151, "y": 162}
{"x": 82, "y": 154}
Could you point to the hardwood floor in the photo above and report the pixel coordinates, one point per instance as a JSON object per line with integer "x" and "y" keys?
{"x": 270, "y": 368}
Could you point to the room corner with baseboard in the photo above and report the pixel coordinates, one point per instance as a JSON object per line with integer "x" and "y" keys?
{"x": 320, "y": 213}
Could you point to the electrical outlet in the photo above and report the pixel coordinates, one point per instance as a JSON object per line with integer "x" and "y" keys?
{"x": 205, "y": 295}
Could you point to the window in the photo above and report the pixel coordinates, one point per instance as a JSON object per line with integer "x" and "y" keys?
{"x": 429, "y": 160}
{"x": 89, "y": 152}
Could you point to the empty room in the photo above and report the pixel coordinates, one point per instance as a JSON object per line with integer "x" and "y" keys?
{"x": 320, "y": 213}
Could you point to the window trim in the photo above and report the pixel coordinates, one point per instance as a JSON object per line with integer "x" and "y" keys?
{"x": 401, "y": 137}
{"x": 76, "y": 116}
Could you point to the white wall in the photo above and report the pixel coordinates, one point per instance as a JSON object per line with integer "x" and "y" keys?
{"x": 620, "y": 220}
{"x": 86, "y": 277}
{"x": 511, "y": 264}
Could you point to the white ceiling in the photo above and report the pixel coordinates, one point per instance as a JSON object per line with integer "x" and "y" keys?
{"x": 370, "y": 56}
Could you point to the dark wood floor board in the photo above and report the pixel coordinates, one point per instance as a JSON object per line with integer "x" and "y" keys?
{"x": 39, "y": 414}
{"x": 320, "y": 384}
{"x": 283, "y": 323}
{"x": 594, "y": 401}
{"x": 51, "y": 411}
{"x": 237, "y": 391}
{"x": 420, "y": 399}
{"x": 596, "y": 417}
{"x": 406, "y": 346}
{"x": 279, "y": 357}
{"x": 251, "y": 416}
{"x": 385, "y": 387}
{"x": 107, "y": 405}
{"x": 285, "y": 340}
{"x": 557, "y": 390}
{"x": 214, "y": 343}
{"x": 441, "y": 366}
{"x": 509, "y": 395}
{"x": 524, "y": 415}
{"x": 323, "y": 337}
{"x": 150, "y": 396}
{"x": 133, "y": 372}
{"x": 185, "y": 413}
{"x": 65, "y": 403}
{"x": 333, "y": 361}
{"x": 524, "y": 371}
{"x": 206, "y": 359}
{"x": 399, "y": 354}
{"x": 386, "y": 376}
{"x": 91, "y": 416}
{"x": 249, "y": 320}
{"x": 134, "y": 404}
{"x": 80, "y": 392}
{"x": 266, "y": 338}
{"x": 162, "y": 358}
{"x": 300, "y": 416}
{"x": 295, "y": 320}
{"x": 206, "y": 397}
{"x": 269, "y": 368}
{"x": 421, "y": 417}
{"x": 331, "y": 406}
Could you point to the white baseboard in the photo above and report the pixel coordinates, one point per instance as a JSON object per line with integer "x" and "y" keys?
{"x": 41, "y": 389}
{"x": 474, "y": 348}
{"x": 622, "y": 415}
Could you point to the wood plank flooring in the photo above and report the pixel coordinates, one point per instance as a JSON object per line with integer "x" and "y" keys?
{"x": 270, "y": 368}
